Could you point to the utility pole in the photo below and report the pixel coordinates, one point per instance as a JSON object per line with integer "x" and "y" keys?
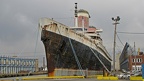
{"x": 135, "y": 56}
{"x": 115, "y": 25}
{"x": 44, "y": 63}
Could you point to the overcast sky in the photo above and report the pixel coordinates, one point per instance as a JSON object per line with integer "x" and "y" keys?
{"x": 20, "y": 36}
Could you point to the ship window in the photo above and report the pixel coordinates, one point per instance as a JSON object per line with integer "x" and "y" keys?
{"x": 79, "y": 29}
{"x": 85, "y": 29}
{"x": 93, "y": 37}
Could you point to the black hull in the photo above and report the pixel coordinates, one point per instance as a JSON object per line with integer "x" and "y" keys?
{"x": 59, "y": 53}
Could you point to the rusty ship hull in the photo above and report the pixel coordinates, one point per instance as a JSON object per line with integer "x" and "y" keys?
{"x": 60, "y": 44}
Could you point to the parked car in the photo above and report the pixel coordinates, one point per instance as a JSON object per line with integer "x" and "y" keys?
{"x": 136, "y": 73}
{"x": 120, "y": 75}
{"x": 124, "y": 76}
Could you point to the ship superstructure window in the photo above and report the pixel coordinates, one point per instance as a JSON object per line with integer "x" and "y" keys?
{"x": 79, "y": 29}
{"x": 93, "y": 37}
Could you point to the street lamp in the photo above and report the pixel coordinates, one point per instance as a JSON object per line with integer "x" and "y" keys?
{"x": 115, "y": 24}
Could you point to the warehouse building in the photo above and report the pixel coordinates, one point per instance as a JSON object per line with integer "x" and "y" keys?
{"x": 11, "y": 65}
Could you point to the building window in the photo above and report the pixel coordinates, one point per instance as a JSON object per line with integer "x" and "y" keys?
{"x": 4, "y": 61}
{"x": 140, "y": 60}
{"x": 133, "y": 68}
{"x": 138, "y": 68}
{"x": 133, "y": 60}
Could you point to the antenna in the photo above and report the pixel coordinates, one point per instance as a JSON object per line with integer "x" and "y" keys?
{"x": 135, "y": 56}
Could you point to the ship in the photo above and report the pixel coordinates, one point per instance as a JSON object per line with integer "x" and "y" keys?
{"x": 79, "y": 47}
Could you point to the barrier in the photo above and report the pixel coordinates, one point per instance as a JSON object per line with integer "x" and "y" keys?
{"x": 116, "y": 78}
{"x": 8, "y": 79}
{"x": 107, "y": 78}
{"x": 45, "y": 77}
{"x": 135, "y": 78}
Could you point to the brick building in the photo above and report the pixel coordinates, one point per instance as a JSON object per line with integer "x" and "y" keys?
{"x": 135, "y": 61}
{"x": 130, "y": 60}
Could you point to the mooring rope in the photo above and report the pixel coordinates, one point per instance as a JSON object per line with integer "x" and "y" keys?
{"x": 78, "y": 63}
{"x": 99, "y": 60}
{"x": 34, "y": 50}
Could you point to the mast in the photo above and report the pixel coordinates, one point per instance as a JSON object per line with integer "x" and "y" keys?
{"x": 76, "y": 19}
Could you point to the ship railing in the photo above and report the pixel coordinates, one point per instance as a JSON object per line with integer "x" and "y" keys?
{"x": 104, "y": 49}
{"x": 61, "y": 29}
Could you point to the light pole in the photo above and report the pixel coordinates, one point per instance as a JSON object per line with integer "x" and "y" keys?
{"x": 115, "y": 25}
